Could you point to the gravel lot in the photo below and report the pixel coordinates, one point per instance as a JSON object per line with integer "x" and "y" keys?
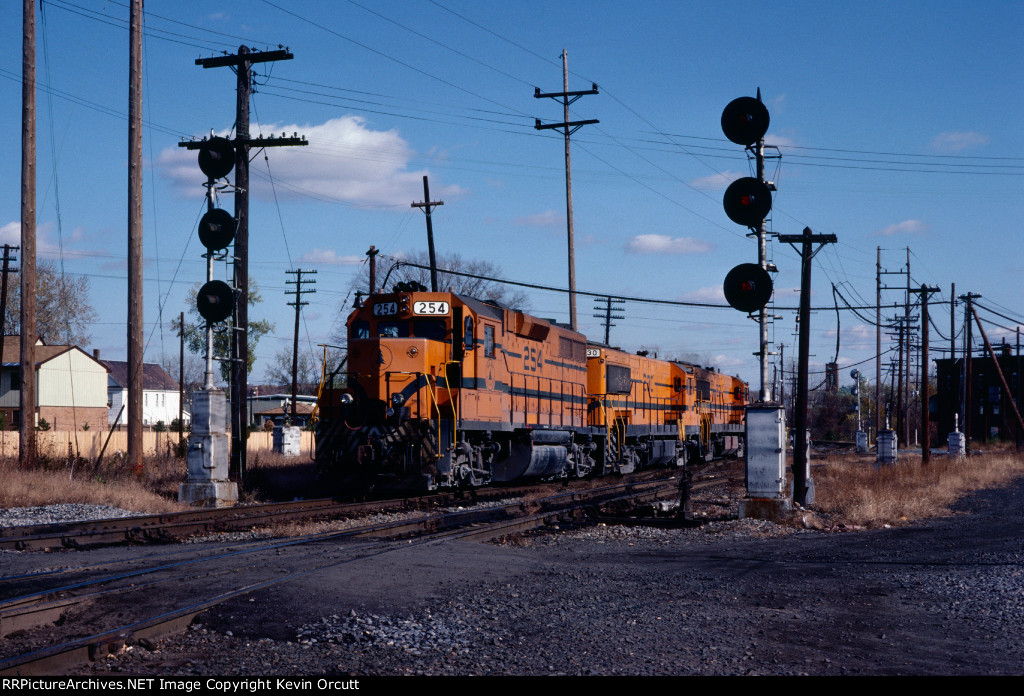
{"x": 731, "y": 598}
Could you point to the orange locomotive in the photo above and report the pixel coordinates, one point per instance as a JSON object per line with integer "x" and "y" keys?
{"x": 444, "y": 390}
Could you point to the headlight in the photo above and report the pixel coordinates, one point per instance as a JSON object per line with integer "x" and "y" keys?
{"x": 346, "y": 399}
{"x": 397, "y": 399}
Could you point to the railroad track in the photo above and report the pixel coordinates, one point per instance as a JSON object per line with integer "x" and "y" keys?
{"x": 59, "y": 618}
{"x": 168, "y": 527}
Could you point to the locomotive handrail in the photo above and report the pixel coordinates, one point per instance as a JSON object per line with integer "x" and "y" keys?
{"x": 437, "y": 405}
{"x": 451, "y": 399}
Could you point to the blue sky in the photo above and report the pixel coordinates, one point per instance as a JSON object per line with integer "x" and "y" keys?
{"x": 896, "y": 121}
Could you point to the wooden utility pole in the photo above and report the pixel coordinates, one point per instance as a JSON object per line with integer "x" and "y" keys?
{"x": 181, "y": 379}
{"x": 372, "y": 253}
{"x": 298, "y": 304}
{"x": 27, "y": 392}
{"x": 968, "y": 358}
{"x": 878, "y": 345}
{"x": 135, "y": 318}
{"x": 242, "y": 63}
{"x": 925, "y": 291}
{"x": 428, "y": 205}
{"x": 800, "y": 465}
{"x": 607, "y": 316}
{"x": 567, "y": 127}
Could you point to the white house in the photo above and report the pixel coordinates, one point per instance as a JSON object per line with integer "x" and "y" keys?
{"x": 160, "y": 395}
{"x": 70, "y": 386}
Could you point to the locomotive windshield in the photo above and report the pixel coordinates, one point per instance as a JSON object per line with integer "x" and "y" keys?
{"x": 433, "y": 329}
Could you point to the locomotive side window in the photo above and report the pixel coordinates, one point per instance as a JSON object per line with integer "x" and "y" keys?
{"x": 703, "y": 390}
{"x": 468, "y": 335}
{"x": 360, "y": 329}
{"x": 488, "y": 341}
{"x": 393, "y": 329}
{"x": 619, "y": 379}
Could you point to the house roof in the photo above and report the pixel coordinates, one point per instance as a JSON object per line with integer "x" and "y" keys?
{"x": 42, "y": 352}
{"x": 154, "y": 377}
{"x": 301, "y": 409}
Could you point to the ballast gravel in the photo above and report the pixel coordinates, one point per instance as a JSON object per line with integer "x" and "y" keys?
{"x": 55, "y": 514}
{"x": 732, "y": 597}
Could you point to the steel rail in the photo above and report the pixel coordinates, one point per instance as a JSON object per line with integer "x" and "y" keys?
{"x": 440, "y": 528}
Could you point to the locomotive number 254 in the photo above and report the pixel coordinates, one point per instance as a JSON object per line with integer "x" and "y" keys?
{"x": 423, "y": 307}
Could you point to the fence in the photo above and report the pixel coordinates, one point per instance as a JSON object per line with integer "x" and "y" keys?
{"x": 88, "y": 443}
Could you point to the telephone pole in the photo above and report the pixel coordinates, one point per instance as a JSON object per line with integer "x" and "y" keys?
{"x": 427, "y": 205}
{"x": 135, "y": 315}
{"x": 27, "y": 398}
{"x": 298, "y": 304}
{"x": 567, "y": 128}
{"x": 607, "y": 316}
{"x": 242, "y": 63}
{"x": 968, "y": 359}
{"x": 802, "y": 485}
{"x": 925, "y": 291}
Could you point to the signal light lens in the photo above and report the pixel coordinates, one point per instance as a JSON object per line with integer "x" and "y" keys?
{"x": 216, "y": 301}
{"x": 747, "y": 201}
{"x": 216, "y": 229}
{"x": 748, "y": 287}
{"x": 745, "y": 120}
{"x": 217, "y": 157}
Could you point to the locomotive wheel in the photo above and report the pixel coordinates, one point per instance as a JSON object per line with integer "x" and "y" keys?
{"x": 468, "y": 477}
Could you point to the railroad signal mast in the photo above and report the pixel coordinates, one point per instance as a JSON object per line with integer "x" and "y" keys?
{"x": 747, "y": 202}
{"x": 241, "y": 63}
{"x": 208, "y": 445}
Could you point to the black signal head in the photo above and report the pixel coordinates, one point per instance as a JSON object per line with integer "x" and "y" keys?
{"x": 747, "y": 201}
{"x": 748, "y": 287}
{"x": 217, "y": 157}
{"x": 216, "y": 301}
{"x": 745, "y": 120}
{"x": 216, "y": 229}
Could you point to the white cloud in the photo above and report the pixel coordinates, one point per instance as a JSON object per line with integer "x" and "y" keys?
{"x": 345, "y": 161}
{"x": 726, "y": 362}
{"x": 329, "y": 256}
{"x": 953, "y": 141}
{"x": 663, "y": 244}
{"x": 905, "y": 227}
{"x": 549, "y": 218}
{"x": 11, "y": 233}
{"x": 713, "y": 294}
{"x": 716, "y": 182}
{"x": 779, "y": 140}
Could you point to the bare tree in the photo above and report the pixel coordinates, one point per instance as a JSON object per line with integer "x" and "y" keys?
{"x": 482, "y": 287}
{"x": 63, "y": 309}
{"x": 279, "y": 372}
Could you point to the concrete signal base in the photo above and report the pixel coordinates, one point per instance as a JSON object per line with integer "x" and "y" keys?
{"x": 208, "y": 453}
{"x": 765, "y": 463}
{"x": 771, "y": 509}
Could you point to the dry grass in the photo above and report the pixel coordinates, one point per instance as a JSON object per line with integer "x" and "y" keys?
{"x": 113, "y": 483}
{"x": 849, "y": 489}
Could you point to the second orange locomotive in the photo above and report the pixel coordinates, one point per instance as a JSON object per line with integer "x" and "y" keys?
{"x": 442, "y": 389}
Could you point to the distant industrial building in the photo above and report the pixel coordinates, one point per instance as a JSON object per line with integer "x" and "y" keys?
{"x": 985, "y": 408}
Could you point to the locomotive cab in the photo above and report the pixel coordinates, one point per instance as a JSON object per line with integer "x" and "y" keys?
{"x": 404, "y": 353}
